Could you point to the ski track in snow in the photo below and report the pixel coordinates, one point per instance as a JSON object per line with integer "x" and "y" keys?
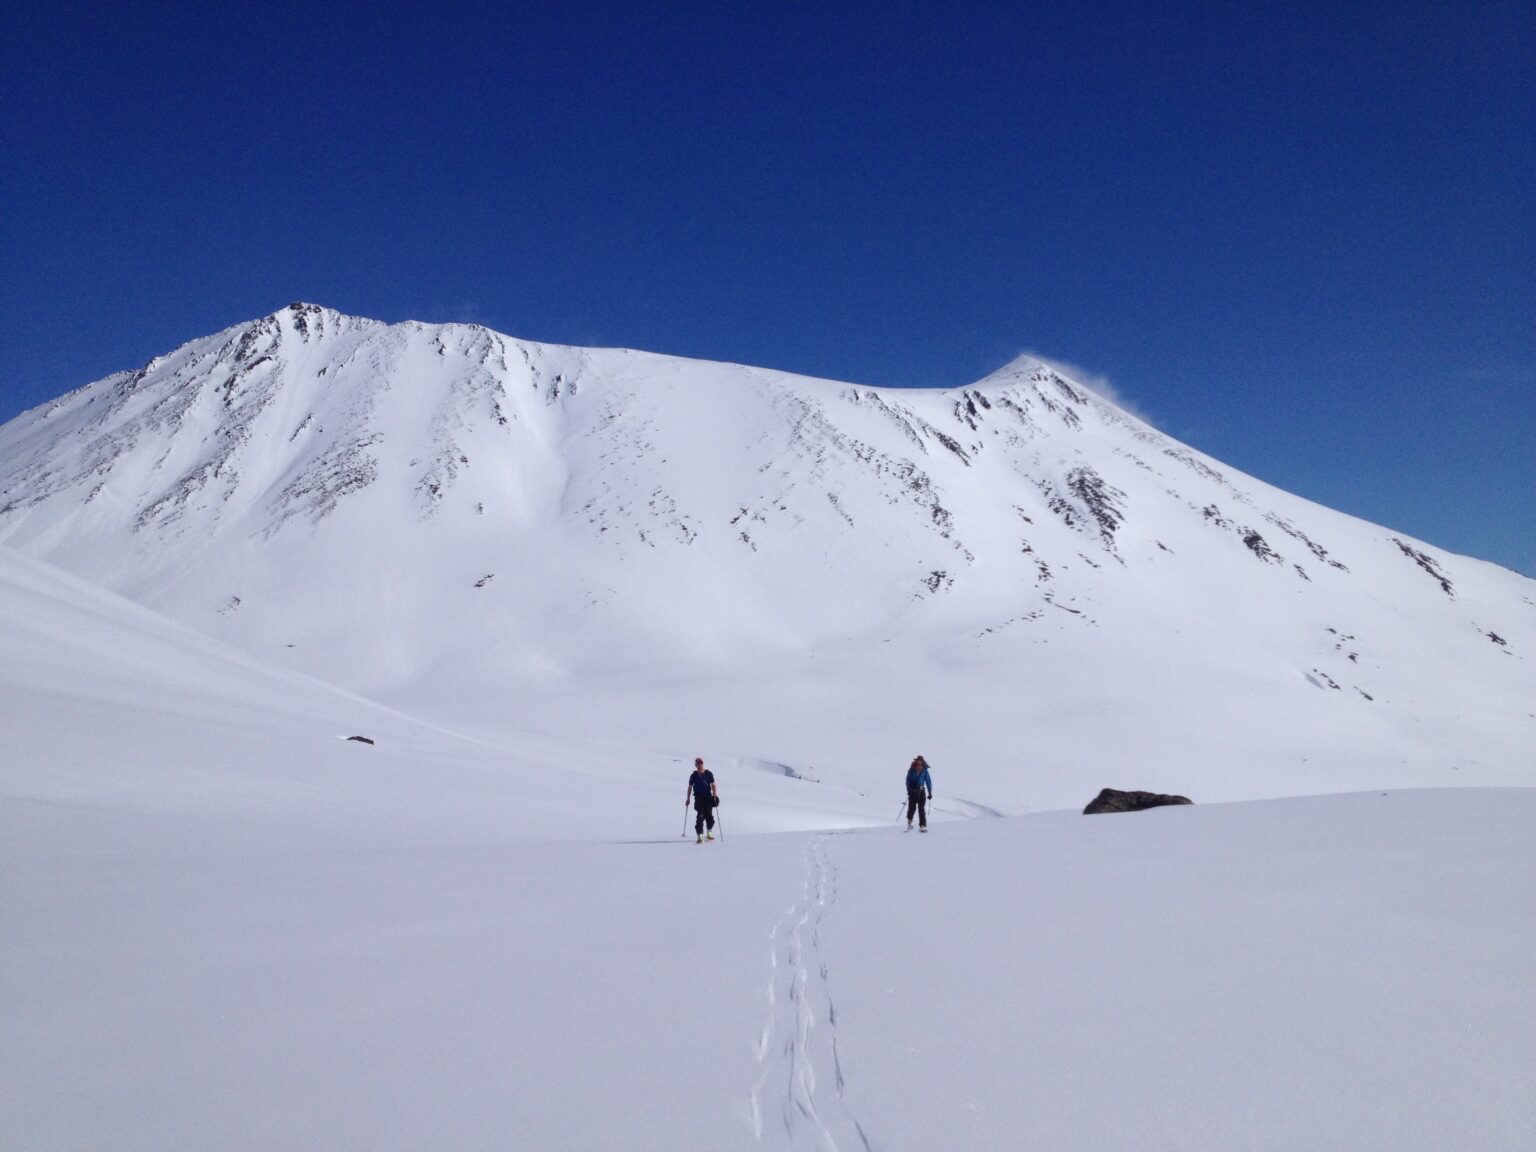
{"x": 797, "y": 1101}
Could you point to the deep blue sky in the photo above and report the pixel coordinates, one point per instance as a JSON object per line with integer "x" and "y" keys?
{"x": 1300, "y": 237}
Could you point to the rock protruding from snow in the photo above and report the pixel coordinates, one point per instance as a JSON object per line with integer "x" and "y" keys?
{"x": 1113, "y": 800}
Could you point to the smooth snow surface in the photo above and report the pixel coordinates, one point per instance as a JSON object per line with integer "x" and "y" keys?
{"x": 1332, "y": 973}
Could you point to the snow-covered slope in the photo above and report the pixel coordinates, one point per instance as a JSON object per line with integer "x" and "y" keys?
{"x": 223, "y": 926}
{"x": 1032, "y": 587}
{"x": 110, "y": 709}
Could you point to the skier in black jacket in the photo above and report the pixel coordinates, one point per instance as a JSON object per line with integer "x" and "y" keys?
{"x": 702, "y": 793}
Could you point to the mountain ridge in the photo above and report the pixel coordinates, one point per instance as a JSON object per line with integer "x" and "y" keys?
{"x": 445, "y": 515}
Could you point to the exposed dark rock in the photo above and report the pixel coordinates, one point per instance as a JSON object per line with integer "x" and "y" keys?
{"x": 1102, "y": 501}
{"x": 1213, "y": 514}
{"x": 1185, "y": 457}
{"x": 1087, "y": 492}
{"x": 1427, "y": 563}
{"x": 361, "y": 739}
{"x": 1260, "y": 547}
{"x": 1113, "y": 800}
{"x": 1067, "y": 390}
{"x": 954, "y": 446}
{"x": 1291, "y": 530}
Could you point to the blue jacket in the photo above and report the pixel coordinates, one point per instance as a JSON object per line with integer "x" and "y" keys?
{"x": 920, "y": 780}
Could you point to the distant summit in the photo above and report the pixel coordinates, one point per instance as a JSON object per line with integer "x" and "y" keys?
{"x": 1018, "y": 569}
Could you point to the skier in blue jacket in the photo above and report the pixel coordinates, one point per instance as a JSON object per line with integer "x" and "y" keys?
{"x": 918, "y": 783}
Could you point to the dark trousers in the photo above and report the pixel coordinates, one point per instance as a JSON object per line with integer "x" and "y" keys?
{"x": 704, "y": 814}
{"x": 917, "y": 802}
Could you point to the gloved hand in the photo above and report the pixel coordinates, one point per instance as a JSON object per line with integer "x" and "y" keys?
{"x": 930, "y": 796}
{"x": 715, "y": 802}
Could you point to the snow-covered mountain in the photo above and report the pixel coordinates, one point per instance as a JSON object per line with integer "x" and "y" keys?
{"x": 539, "y": 580}
{"x": 1034, "y": 588}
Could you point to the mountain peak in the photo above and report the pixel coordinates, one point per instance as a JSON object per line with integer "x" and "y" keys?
{"x": 1023, "y": 365}
{"x": 1028, "y": 367}
{"x": 303, "y": 309}
{"x": 301, "y": 318}
{"x": 380, "y": 503}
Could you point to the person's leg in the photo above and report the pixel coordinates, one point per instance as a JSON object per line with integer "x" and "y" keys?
{"x": 709, "y": 816}
{"x": 911, "y": 805}
{"x": 922, "y": 811}
{"x": 698, "y": 818}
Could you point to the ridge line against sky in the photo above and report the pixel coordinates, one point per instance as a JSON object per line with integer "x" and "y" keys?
{"x": 1302, "y": 239}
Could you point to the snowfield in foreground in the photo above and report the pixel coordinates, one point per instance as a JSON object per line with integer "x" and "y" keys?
{"x": 1330, "y": 973}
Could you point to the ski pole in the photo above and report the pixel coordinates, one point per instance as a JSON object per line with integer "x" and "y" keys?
{"x": 719, "y": 823}
{"x": 685, "y": 818}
